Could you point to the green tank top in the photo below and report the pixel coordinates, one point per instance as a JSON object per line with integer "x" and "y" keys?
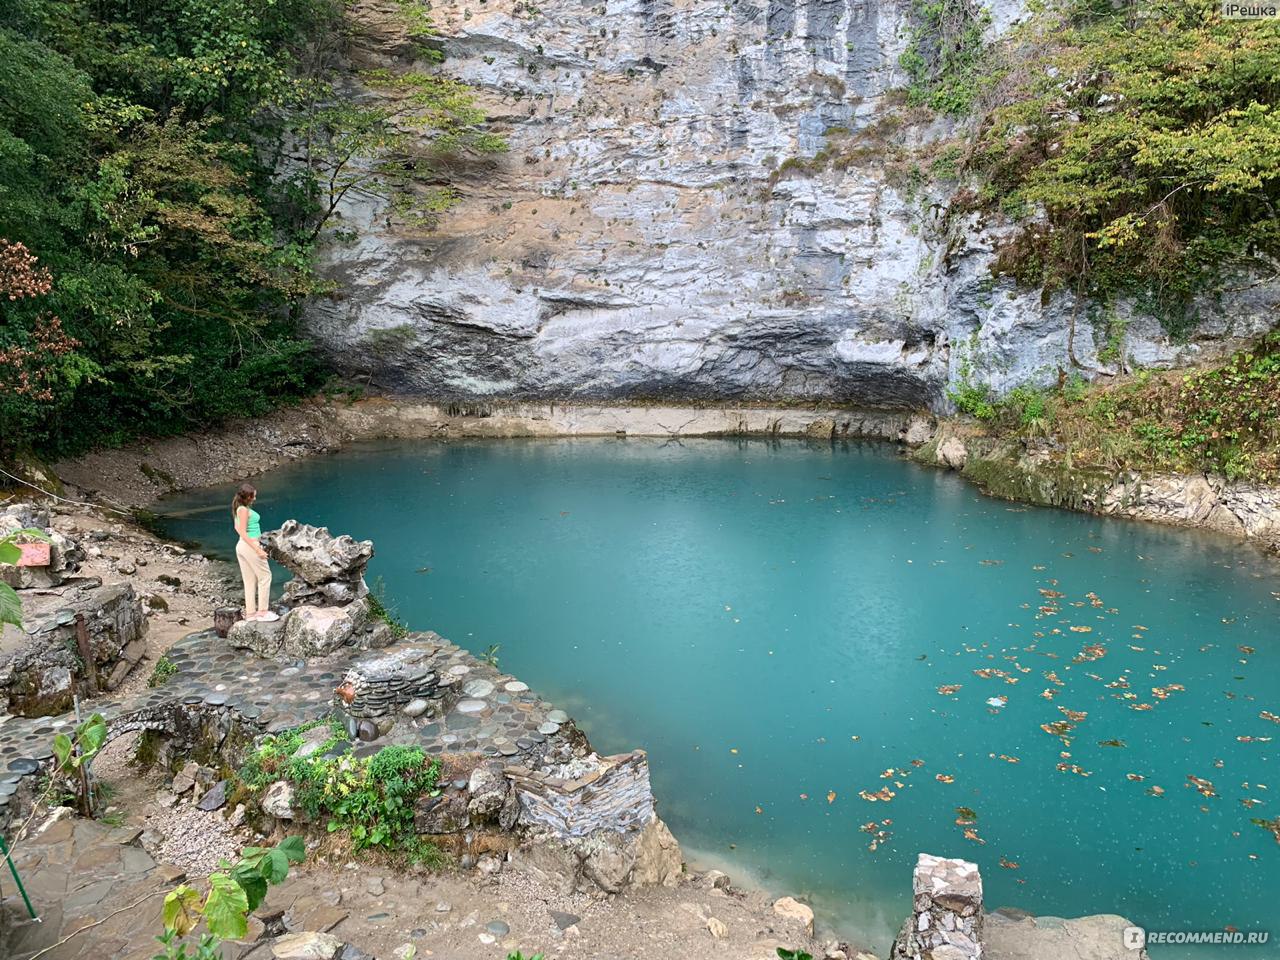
{"x": 253, "y": 530}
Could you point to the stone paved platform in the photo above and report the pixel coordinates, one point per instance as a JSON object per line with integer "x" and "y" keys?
{"x": 78, "y": 872}
{"x": 476, "y": 707}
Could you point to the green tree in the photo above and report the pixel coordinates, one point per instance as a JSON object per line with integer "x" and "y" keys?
{"x": 148, "y": 158}
{"x": 1138, "y": 148}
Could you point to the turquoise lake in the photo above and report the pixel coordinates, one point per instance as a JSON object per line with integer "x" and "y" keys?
{"x": 792, "y": 628}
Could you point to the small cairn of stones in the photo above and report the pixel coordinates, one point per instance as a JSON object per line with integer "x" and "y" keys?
{"x": 378, "y": 686}
{"x": 326, "y": 604}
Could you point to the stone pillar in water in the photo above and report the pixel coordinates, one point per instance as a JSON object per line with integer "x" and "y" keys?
{"x": 946, "y": 919}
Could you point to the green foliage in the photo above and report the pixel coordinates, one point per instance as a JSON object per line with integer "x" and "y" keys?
{"x": 975, "y": 399}
{"x": 234, "y": 893}
{"x": 969, "y": 396}
{"x": 274, "y": 760}
{"x": 537, "y": 956}
{"x": 369, "y": 798}
{"x": 1027, "y": 408}
{"x": 73, "y": 754}
{"x": 1223, "y": 419}
{"x": 1139, "y": 149}
{"x": 946, "y": 55}
{"x": 10, "y": 554}
{"x": 140, "y": 159}
{"x": 784, "y": 954}
{"x": 164, "y": 669}
{"x": 380, "y": 608}
{"x": 490, "y": 655}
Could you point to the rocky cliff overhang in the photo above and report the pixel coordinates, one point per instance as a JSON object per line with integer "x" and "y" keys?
{"x": 660, "y": 228}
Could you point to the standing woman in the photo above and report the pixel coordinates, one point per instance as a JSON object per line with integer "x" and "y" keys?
{"x": 253, "y": 559}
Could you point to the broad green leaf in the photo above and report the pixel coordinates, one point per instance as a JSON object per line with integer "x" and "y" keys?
{"x": 226, "y": 908}
{"x": 92, "y": 734}
{"x": 10, "y": 606}
{"x": 181, "y": 910}
{"x": 9, "y": 552}
{"x": 293, "y": 848}
{"x": 62, "y": 751}
{"x": 275, "y": 867}
{"x": 252, "y": 882}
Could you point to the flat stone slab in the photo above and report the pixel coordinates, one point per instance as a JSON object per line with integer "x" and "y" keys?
{"x": 1099, "y": 937}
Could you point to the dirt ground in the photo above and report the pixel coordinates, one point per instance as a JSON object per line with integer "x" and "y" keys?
{"x": 464, "y": 914}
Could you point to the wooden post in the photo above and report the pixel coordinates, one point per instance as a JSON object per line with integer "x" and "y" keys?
{"x": 86, "y": 654}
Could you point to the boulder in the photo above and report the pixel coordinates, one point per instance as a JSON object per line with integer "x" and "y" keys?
{"x": 1099, "y": 937}
{"x": 444, "y": 814}
{"x": 953, "y": 453}
{"x": 307, "y": 945}
{"x": 185, "y": 778}
{"x": 658, "y": 862}
{"x": 488, "y": 789}
{"x": 607, "y": 860}
{"x": 919, "y": 431}
{"x": 278, "y": 800}
{"x": 316, "y": 556}
{"x": 792, "y": 909}
{"x": 215, "y": 798}
{"x": 263, "y": 637}
{"x": 316, "y": 631}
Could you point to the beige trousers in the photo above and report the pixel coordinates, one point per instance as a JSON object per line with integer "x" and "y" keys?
{"x": 257, "y": 579}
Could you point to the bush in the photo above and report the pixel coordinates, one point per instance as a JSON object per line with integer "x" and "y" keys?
{"x": 369, "y": 798}
{"x": 1139, "y": 150}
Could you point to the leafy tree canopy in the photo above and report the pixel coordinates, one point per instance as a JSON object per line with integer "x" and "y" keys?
{"x": 147, "y": 163}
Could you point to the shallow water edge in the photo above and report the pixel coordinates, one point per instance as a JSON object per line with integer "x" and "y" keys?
{"x": 138, "y": 475}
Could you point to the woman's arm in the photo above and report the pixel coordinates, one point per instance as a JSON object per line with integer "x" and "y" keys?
{"x": 242, "y": 528}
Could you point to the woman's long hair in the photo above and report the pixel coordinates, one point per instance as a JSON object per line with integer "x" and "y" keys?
{"x": 244, "y": 496}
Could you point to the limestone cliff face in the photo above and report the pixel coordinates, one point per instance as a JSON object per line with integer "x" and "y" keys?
{"x": 654, "y": 231}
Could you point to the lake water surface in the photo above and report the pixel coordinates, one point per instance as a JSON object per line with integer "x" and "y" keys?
{"x": 837, "y": 659}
